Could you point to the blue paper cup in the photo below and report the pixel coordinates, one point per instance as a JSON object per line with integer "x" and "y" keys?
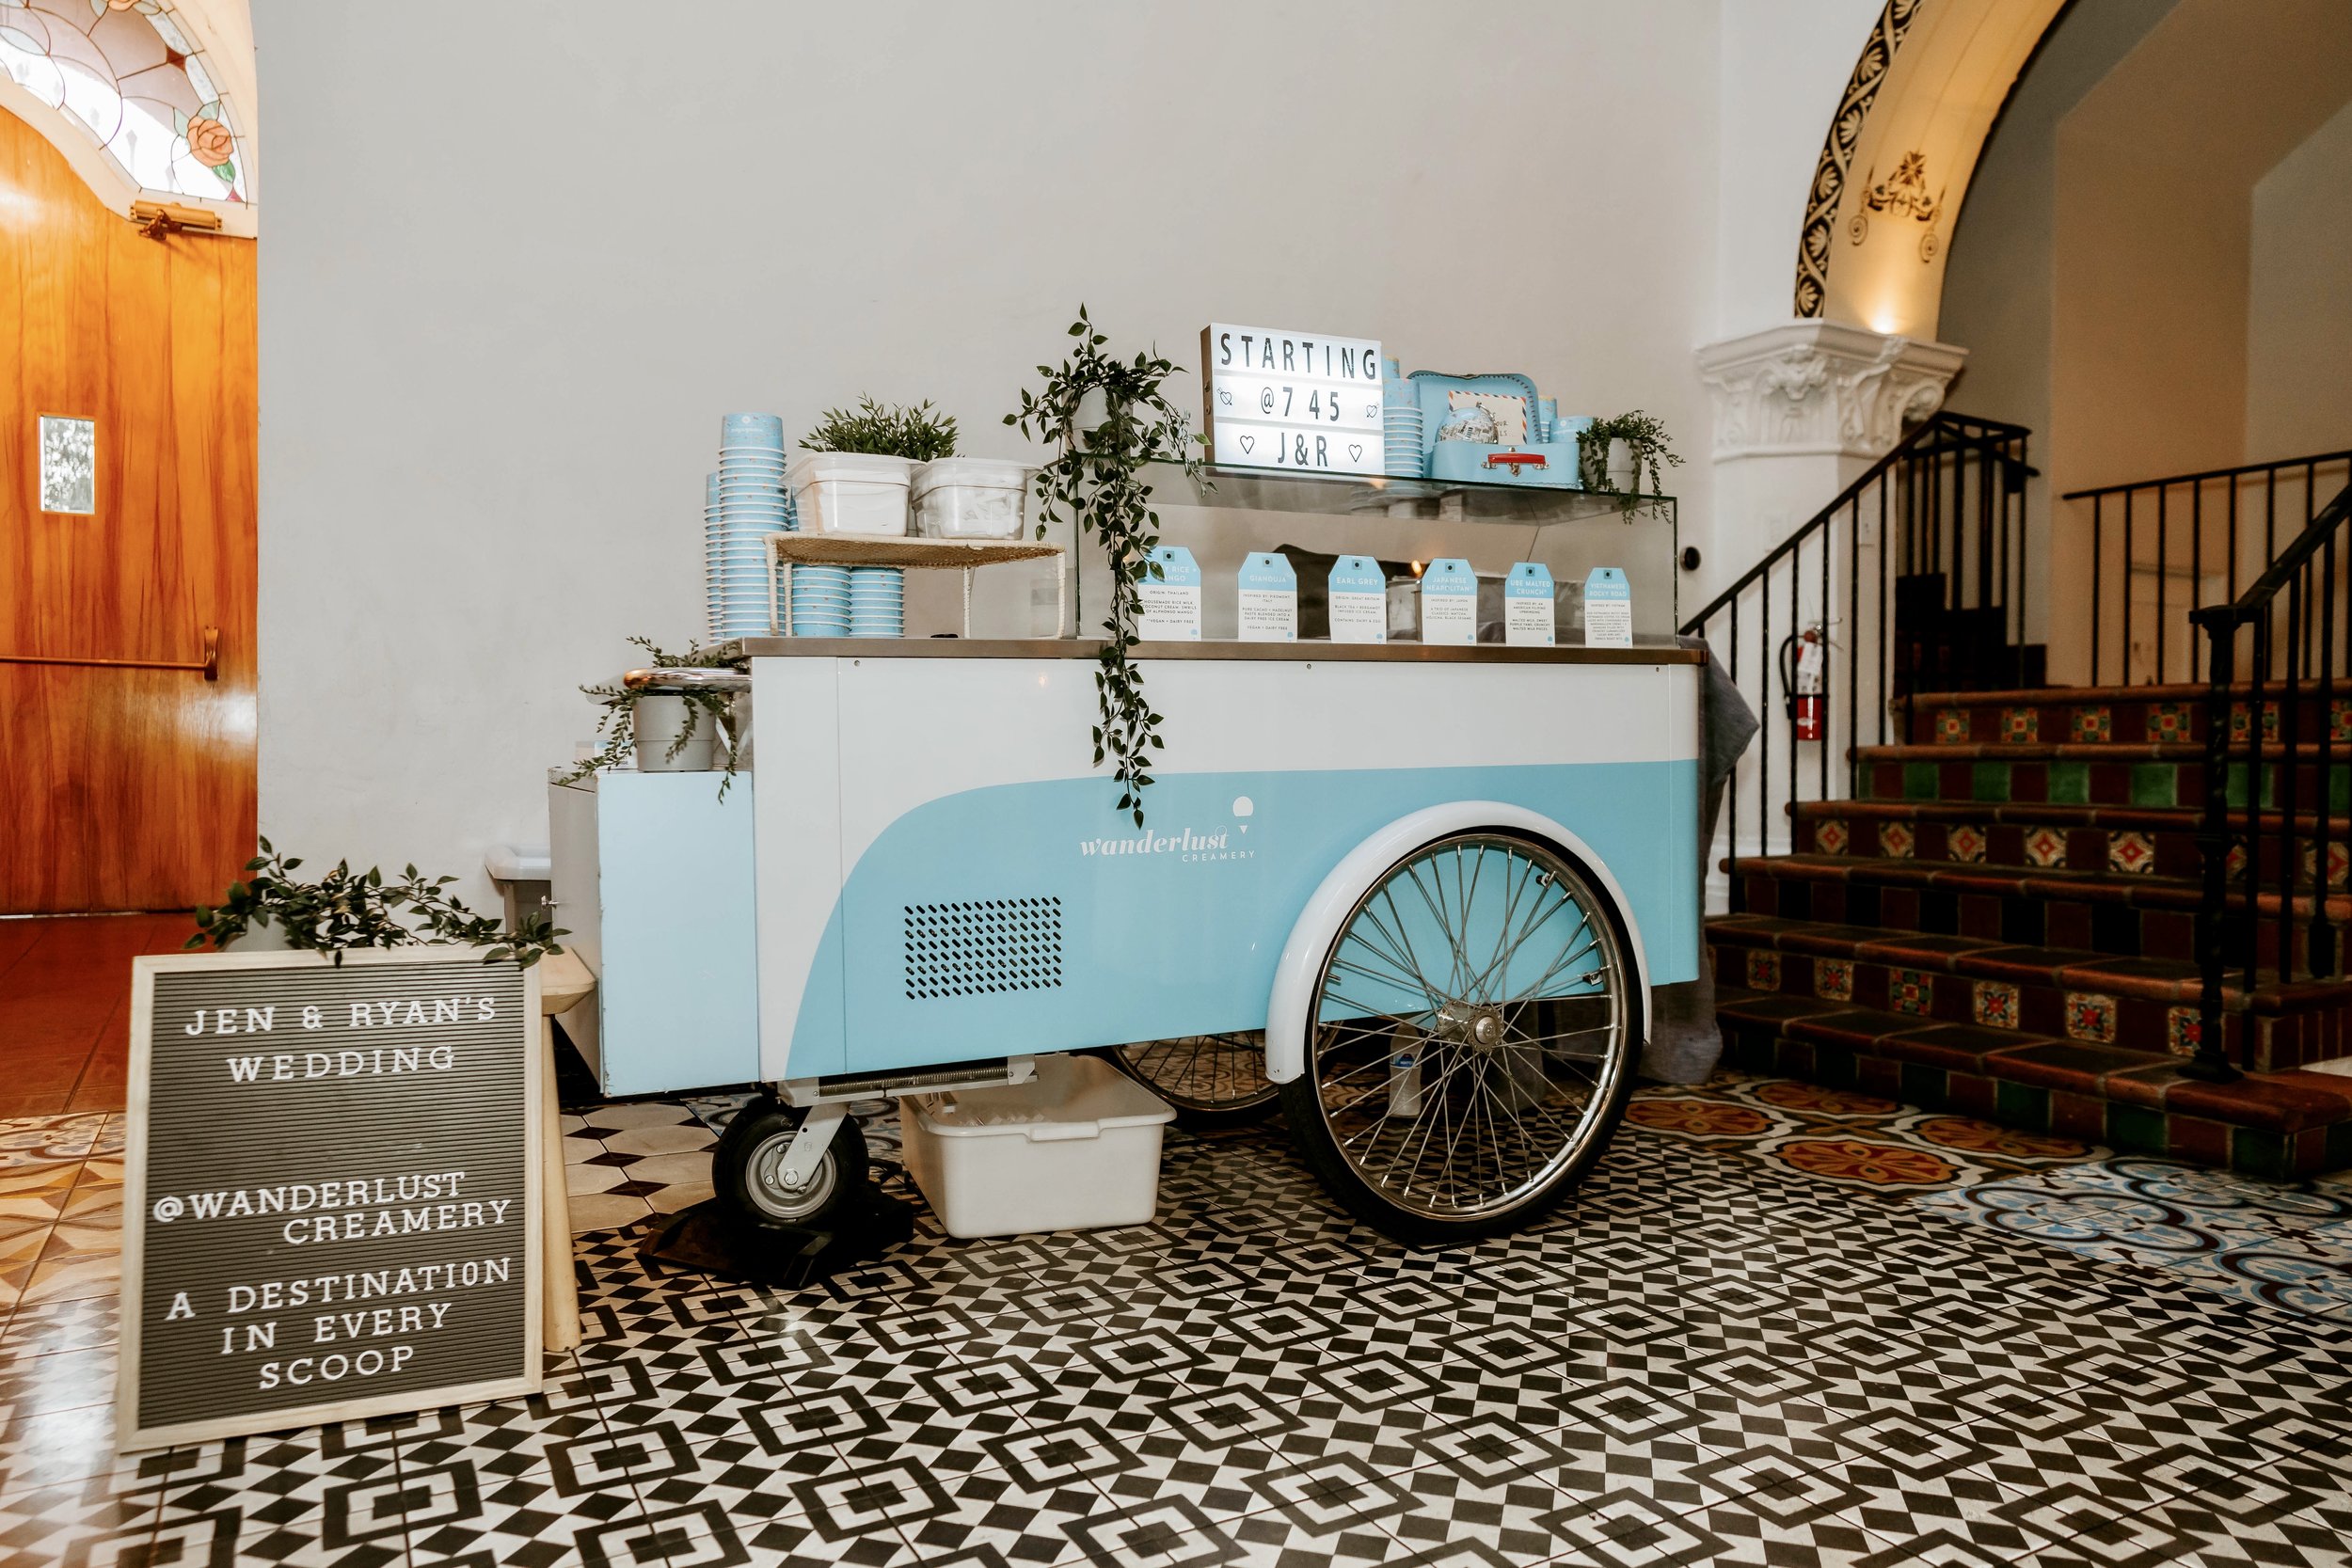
{"x": 752, "y": 430}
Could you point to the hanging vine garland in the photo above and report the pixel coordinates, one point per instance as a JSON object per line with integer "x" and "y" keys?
{"x": 1095, "y": 479}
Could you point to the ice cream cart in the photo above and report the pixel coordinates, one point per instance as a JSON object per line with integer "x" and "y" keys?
{"x": 1437, "y": 881}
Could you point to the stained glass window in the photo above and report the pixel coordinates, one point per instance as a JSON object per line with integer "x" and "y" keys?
{"x": 126, "y": 71}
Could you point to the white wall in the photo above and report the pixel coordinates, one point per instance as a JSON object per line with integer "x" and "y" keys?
{"x": 508, "y": 289}
{"x": 1782, "y": 67}
{"x": 2298, "y": 314}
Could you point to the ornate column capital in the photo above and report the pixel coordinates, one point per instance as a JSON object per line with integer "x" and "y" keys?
{"x": 1821, "y": 389}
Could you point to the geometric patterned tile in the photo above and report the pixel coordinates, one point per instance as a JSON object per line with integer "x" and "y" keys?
{"x": 1736, "y": 1344}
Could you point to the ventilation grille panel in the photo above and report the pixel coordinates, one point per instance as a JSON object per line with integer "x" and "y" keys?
{"x": 981, "y": 948}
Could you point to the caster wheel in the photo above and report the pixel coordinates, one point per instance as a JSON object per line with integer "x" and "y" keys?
{"x": 747, "y": 1168}
{"x": 1472, "y": 1042}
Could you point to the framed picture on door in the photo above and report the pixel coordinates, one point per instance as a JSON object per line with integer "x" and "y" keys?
{"x": 68, "y": 464}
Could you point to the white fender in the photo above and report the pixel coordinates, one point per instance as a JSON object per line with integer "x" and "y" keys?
{"x": 1318, "y": 924}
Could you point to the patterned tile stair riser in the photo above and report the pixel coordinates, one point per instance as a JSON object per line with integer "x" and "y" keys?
{"x": 2129, "y": 841}
{"x": 2025, "y": 838}
{"x": 2161, "y": 714}
{"x": 2045, "y": 1006}
{"x": 2089, "y": 774}
{"x": 2126, "y": 916}
{"x": 1694, "y": 1361}
{"x": 2129, "y": 1100}
{"x": 2033, "y": 990}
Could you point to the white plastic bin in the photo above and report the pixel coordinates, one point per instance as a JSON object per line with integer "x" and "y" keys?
{"x": 851, "y": 492}
{"x": 971, "y": 498}
{"x": 1077, "y": 1147}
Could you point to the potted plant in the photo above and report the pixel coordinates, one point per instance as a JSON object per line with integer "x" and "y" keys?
{"x": 1626, "y": 456}
{"x": 920, "y": 434}
{"x": 858, "y": 464}
{"x": 1105, "y": 418}
{"x": 346, "y": 909}
{"x": 670, "y": 732}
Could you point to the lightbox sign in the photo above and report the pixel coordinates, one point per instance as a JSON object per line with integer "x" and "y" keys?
{"x": 1303, "y": 400}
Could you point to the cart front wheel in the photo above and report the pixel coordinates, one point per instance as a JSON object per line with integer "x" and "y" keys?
{"x": 1472, "y": 1039}
{"x": 1212, "y": 1081}
{"x": 747, "y": 1168}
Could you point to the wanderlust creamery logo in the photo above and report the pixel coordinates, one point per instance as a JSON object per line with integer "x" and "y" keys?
{"x": 1227, "y": 843}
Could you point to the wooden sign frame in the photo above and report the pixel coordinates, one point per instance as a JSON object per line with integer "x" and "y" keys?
{"x": 130, "y": 1434}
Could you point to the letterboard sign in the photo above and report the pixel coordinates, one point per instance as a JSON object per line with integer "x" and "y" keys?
{"x": 1302, "y": 401}
{"x": 331, "y": 1207}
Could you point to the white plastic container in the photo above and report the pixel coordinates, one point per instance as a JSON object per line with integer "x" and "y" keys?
{"x": 1076, "y": 1147}
{"x": 851, "y": 492}
{"x": 971, "y": 498}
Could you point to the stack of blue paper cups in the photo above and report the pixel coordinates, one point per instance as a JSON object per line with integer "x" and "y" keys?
{"x": 1401, "y": 414}
{"x": 820, "y": 601}
{"x": 878, "y": 602}
{"x": 746, "y": 505}
{"x": 711, "y": 536}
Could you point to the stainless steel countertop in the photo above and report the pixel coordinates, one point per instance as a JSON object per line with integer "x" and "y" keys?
{"x": 1644, "y": 651}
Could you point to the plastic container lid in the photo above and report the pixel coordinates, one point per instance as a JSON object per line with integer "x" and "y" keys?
{"x": 1071, "y": 1096}
{"x": 987, "y": 473}
{"x": 869, "y": 468}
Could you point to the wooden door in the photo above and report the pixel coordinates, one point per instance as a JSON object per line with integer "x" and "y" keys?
{"x": 127, "y": 787}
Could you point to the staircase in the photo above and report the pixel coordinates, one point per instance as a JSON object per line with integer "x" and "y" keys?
{"x": 1955, "y": 885}
{"x": 2002, "y": 922}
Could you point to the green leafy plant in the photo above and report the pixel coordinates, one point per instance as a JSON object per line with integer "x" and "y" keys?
{"x": 920, "y": 432}
{"x": 347, "y": 909}
{"x": 1645, "y": 437}
{"x": 617, "y": 724}
{"x": 1095, "y": 479}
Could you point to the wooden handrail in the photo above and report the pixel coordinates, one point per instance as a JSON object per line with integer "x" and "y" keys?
{"x": 210, "y": 665}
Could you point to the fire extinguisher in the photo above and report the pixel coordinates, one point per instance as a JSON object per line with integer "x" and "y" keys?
{"x": 1803, "y": 665}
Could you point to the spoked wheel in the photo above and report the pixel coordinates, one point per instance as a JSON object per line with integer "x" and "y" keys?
{"x": 747, "y": 1168}
{"x": 1213, "y": 1080}
{"x": 1472, "y": 1042}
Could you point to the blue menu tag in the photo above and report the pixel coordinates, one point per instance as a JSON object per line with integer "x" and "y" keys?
{"x": 1527, "y": 607}
{"x": 1358, "y": 599}
{"x": 1607, "y": 609}
{"x": 1171, "y": 599}
{"x": 1449, "y": 601}
{"x": 1269, "y": 600}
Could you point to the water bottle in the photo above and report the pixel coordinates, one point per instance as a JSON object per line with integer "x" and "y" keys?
{"x": 1405, "y": 1083}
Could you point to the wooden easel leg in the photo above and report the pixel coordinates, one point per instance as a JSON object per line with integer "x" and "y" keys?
{"x": 561, "y": 1291}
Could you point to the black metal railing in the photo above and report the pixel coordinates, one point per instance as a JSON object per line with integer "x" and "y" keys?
{"x": 2218, "y": 529}
{"x": 2288, "y": 634}
{"x": 1913, "y": 579}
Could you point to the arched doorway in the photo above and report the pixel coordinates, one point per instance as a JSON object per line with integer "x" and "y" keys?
{"x": 1902, "y": 148}
{"x": 2148, "y": 272}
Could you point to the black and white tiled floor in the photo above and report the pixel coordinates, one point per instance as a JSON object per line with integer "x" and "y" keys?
{"x": 1708, "y": 1357}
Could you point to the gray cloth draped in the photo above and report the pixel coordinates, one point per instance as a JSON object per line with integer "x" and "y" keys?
{"x": 1685, "y": 1042}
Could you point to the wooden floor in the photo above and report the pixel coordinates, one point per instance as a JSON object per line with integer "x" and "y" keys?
{"x": 65, "y": 1008}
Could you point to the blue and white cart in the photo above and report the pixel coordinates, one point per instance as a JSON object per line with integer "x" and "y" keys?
{"x": 1440, "y": 881}
{"x": 1416, "y": 895}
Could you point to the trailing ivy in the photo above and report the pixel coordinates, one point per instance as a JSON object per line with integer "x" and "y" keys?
{"x": 1095, "y": 480}
{"x": 617, "y": 724}
{"x": 347, "y": 909}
